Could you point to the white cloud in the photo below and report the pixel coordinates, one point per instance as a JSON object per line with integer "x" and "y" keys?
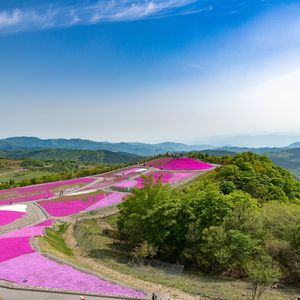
{"x": 93, "y": 12}
{"x": 10, "y": 18}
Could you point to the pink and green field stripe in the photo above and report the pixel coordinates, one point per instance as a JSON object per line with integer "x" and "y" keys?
{"x": 49, "y": 185}
{"x": 164, "y": 177}
{"x": 27, "y": 198}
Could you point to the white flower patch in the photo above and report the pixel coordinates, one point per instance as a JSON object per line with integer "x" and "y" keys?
{"x": 16, "y": 207}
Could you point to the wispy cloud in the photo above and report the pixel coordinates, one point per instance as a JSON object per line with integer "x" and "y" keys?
{"x": 41, "y": 16}
{"x": 190, "y": 65}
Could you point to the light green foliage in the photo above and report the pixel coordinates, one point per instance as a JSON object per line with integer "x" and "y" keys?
{"x": 145, "y": 250}
{"x": 245, "y": 210}
{"x": 256, "y": 175}
{"x": 263, "y": 273}
{"x": 54, "y": 237}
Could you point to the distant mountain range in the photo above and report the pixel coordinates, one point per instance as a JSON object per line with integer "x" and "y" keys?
{"x": 79, "y": 144}
{"x": 294, "y": 145}
{"x": 105, "y": 152}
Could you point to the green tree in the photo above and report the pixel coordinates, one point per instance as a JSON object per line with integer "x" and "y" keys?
{"x": 262, "y": 273}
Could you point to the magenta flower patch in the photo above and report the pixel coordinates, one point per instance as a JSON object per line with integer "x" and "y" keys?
{"x": 183, "y": 163}
{"x": 7, "y": 217}
{"x": 164, "y": 177}
{"x": 109, "y": 200}
{"x": 99, "y": 185}
{"x": 27, "y": 198}
{"x": 179, "y": 176}
{"x": 35, "y": 270}
{"x": 14, "y": 247}
{"x": 24, "y": 232}
{"x": 38, "y": 191}
{"x": 128, "y": 171}
{"x": 126, "y": 184}
{"x": 65, "y": 207}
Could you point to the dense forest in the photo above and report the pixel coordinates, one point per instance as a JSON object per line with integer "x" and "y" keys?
{"x": 242, "y": 219}
{"x": 92, "y": 156}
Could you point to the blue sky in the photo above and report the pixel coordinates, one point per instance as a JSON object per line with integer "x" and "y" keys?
{"x": 179, "y": 70}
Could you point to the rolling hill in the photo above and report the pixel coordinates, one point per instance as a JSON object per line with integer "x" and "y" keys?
{"x": 94, "y": 156}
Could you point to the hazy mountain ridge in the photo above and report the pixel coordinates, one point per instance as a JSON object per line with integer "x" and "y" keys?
{"x": 294, "y": 145}
{"x": 80, "y": 144}
{"x": 106, "y": 152}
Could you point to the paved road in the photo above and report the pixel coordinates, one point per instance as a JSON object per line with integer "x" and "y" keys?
{"x": 8, "y": 294}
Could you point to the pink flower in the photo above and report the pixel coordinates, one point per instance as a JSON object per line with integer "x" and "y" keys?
{"x": 14, "y": 247}
{"x": 65, "y": 207}
{"x": 35, "y": 270}
{"x": 7, "y": 217}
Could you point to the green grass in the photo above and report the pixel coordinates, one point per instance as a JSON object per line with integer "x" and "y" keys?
{"x": 19, "y": 176}
{"x": 54, "y": 238}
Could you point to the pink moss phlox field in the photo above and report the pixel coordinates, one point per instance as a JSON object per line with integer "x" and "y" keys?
{"x": 178, "y": 176}
{"x": 111, "y": 199}
{"x": 69, "y": 207}
{"x": 164, "y": 177}
{"x": 158, "y": 163}
{"x": 45, "y": 223}
{"x": 126, "y": 184}
{"x": 35, "y": 270}
{"x": 99, "y": 185}
{"x": 7, "y": 217}
{"x": 128, "y": 171}
{"x": 24, "y": 232}
{"x": 46, "y": 187}
{"x": 184, "y": 163}
{"x": 14, "y": 247}
{"x": 27, "y": 198}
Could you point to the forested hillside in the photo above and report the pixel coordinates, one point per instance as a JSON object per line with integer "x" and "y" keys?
{"x": 289, "y": 159}
{"x": 95, "y": 156}
{"x": 241, "y": 219}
